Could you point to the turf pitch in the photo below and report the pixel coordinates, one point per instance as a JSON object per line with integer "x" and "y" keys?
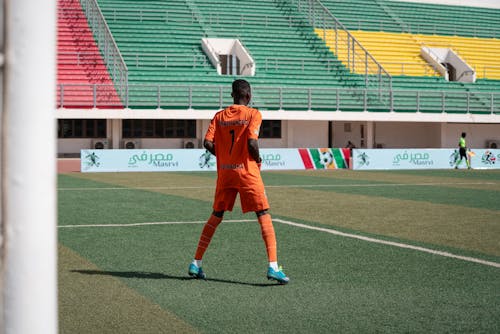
{"x": 134, "y": 278}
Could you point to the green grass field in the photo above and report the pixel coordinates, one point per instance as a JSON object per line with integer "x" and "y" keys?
{"x": 366, "y": 252}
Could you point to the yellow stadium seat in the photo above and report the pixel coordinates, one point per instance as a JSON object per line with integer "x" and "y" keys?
{"x": 399, "y": 53}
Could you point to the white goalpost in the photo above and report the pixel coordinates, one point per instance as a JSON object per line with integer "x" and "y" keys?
{"x": 28, "y": 167}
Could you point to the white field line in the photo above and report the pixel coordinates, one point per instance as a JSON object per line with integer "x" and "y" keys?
{"x": 390, "y": 243}
{"x": 148, "y": 224}
{"x": 320, "y": 229}
{"x": 290, "y": 186}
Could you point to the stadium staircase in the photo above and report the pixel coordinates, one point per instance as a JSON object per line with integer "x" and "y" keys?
{"x": 81, "y": 72}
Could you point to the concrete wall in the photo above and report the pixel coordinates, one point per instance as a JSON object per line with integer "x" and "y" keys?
{"x": 388, "y": 134}
{"x": 307, "y": 134}
{"x": 71, "y": 146}
{"x": 410, "y": 135}
{"x": 477, "y": 134}
{"x": 348, "y": 131}
{"x": 296, "y": 134}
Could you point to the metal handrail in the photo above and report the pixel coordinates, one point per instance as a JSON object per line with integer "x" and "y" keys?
{"x": 150, "y": 15}
{"x": 438, "y": 28}
{"x": 181, "y": 59}
{"x": 278, "y": 62}
{"x": 417, "y": 27}
{"x": 165, "y": 60}
{"x": 404, "y": 65}
{"x": 107, "y": 45}
{"x": 280, "y": 98}
{"x": 486, "y": 68}
{"x": 182, "y": 16}
{"x": 350, "y": 35}
{"x": 81, "y": 57}
{"x": 321, "y": 18}
{"x": 261, "y": 19}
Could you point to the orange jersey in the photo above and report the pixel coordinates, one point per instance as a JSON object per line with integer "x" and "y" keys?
{"x": 230, "y": 130}
{"x": 237, "y": 171}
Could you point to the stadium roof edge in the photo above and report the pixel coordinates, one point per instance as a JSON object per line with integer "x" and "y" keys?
{"x": 467, "y": 3}
{"x": 98, "y": 113}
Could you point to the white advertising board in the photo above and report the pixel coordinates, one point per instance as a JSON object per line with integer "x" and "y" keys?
{"x": 202, "y": 160}
{"x": 370, "y": 159}
{"x": 146, "y": 160}
{"x": 278, "y": 159}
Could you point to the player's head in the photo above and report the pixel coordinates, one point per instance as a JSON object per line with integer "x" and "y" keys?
{"x": 463, "y": 134}
{"x": 242, "y": 93}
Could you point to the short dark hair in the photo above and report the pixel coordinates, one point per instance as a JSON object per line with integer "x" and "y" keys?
{"x": 241, "y": 88}
{"x": 463, "y": 134}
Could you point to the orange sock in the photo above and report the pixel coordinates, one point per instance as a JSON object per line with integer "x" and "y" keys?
{"x": 206, "y": 236}
{"x": 267, "y": 230}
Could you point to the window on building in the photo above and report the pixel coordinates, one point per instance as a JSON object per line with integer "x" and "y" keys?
{"x": 160, "y": 128}
{"x": 230, "y": 64}
{"x": 270, "y": 129}
{"x": 81, "y": 128}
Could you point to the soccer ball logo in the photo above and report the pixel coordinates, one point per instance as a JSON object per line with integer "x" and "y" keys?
{"x": 488, "y": 158}
{"x": 326, "y": 158}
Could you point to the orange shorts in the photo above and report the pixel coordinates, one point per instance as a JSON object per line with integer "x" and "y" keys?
{"x": 252, "y": 195}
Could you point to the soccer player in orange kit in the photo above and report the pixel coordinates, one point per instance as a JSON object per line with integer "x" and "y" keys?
{"x": 233, "y": 138}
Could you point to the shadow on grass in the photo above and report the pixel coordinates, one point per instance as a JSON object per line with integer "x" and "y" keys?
{"x": 151, "y": 275}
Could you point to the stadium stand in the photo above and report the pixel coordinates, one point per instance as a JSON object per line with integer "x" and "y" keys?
{"x": 82, "y": 77}
{"x": 399, "y": 53}
{"x": 161, "y": 44}
{"x": 394, "y": 31}
{"x": 416, "y": 18}
{"x": 387, "y": 29}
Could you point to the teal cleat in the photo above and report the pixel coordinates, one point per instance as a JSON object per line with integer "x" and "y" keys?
{"x": 196, "y": 272}
{"x": 278, "y": 276}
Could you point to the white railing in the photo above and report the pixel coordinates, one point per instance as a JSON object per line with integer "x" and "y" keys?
{"x": 347, "y": 48}
{"x": 298, "y": 64}
{"x": 179, "y": 16}
{"x": 409, "y": 68}
{"x": 208, "y": 97}
{"x": 78, "y": 58}
{"x": 488, "y": 71}
{"x": 185, "y": 60}
{"x": 262, "y": 20}
{"x": 165, "y": 60}
{"x": 107, "y": 45}
{"x": 418, "y": 28}
{"x": 141, "y": 15}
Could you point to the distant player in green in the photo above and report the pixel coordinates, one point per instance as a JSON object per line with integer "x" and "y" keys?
{"x": 462, "y": 149}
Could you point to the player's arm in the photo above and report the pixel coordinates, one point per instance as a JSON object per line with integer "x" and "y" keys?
{"x": 253, "y": 149}
{"x": 209, "y": 141}
{"x": 253, "y": 136}
{"x": 209, "y": 145}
